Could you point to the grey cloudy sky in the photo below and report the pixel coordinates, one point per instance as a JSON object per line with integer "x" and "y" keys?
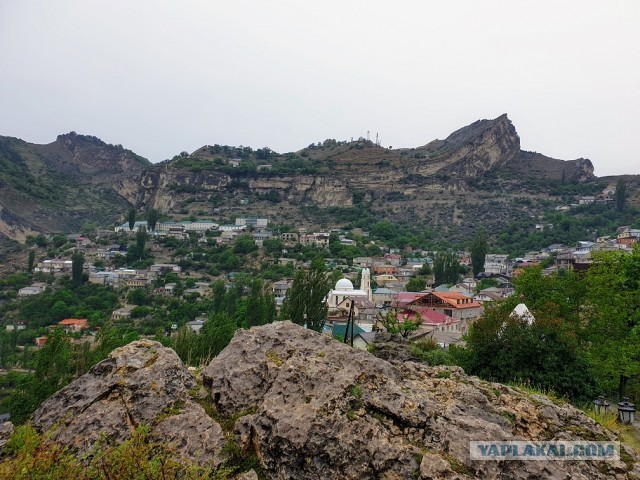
{"x": 160, "y": 77}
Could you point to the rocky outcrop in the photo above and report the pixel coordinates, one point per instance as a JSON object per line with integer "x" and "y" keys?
{"x": 311, "y": 407}
{"x": 536, "y": 165}
{"x": 306, "y": 407}
{"x": 471, "y": 151}
{"x": 142, "y": 383}
{"x": 6, "y": 429}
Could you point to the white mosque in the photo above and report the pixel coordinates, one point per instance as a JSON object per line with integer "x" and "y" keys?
{"x": 344, "y": 289}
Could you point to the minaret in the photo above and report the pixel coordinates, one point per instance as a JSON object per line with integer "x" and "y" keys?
{"x": 365, "y": 283}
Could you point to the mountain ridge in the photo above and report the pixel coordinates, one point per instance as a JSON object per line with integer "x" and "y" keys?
{"x": 79, "y": 178}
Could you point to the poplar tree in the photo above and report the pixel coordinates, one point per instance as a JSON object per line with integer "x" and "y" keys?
{"x": 621, "y": 195}
{"x": 305, "y": 302}
{"x": 132, "y": 218}
{"x": 478, "y": 251}
{"x": 152, "y": 219}
{"x": 141, "y": 239}
{"x": 446, "y": 268}
{"x": 77, "y": 265}
{"x": 31, "y": 260}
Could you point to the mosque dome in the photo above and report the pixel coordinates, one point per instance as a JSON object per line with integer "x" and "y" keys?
{"x": 344, "y": 285}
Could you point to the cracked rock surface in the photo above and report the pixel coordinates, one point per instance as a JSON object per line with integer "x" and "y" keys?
{"x": 142, "y": 383}
{"x": 311, "y": 407}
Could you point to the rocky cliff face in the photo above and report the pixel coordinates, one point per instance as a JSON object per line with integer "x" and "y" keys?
{"x": 78, "y": 178}
{"x": 473, "y": 150}
{"x": 367, "y": 169}
{"x": 310, "y": 407}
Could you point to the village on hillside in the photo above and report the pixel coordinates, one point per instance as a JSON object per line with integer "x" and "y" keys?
{"x": 368, "y": 286}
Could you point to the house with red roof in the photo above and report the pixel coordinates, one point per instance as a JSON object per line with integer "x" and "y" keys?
{"x": 74, "y": 324}
{"x": 405, "y": 299}
{"x": 452, "y": 304}
{"x": 432, "y": 320}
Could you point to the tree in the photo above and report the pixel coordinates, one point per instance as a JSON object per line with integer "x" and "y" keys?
{"x": 137, "y": 296}
{"x": 141, "y": 239}
{"x": 294, "y": 303}
{"x": 217, "y": 332}
{"x": 152, "y": 219}
{"x": 273, "y": 246}
{"x": 77, "y": 266}
{"x": 54, "y": 369}
{"x": 544, "y": 353}
{"x": 31, "y": 261}
{"x": 446, "y": 268}
{"x": 318, "y": 286}
{"x": 304, "y": 302}
{"x": 613, "y": 323}
{"x": 218, "y": 291}
{"x": 244, "y": 244}
{"x": 478, "y": 250}
{"x": 621, "y": 195}
{"x": 416, "y": 284}
{"x": 132, "y": 218}
{"x": 391, "y": 323}
{"x": 425, "y": 269}
{"x": 255, "y": 313}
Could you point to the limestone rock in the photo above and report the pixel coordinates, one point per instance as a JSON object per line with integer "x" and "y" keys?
{"x": 311, "y": 407}
{"x": 6, "y": 429}
{"x": 250, "y": 475}
{"x": 141, "y": 383}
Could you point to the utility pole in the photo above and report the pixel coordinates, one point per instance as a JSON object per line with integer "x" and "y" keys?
{"x": 349, "y": 324}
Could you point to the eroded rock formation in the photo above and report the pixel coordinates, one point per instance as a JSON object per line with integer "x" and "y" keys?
{"x": 142, "y": 383}
{"x": 309, "y": 407}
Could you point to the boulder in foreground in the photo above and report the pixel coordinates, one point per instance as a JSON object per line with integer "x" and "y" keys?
{"x": 311, "y": 407}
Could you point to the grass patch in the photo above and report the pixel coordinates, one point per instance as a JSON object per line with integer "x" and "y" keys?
{"x": 239, "y": 460}
{"x": 167, "y": 412}
{"x": 356, "y": 391}
{"x": 456, "y": 465}
{"x": 31, "y": 456}
{"x": 443, "y": 374}
{"x": 530, "y": 390}
{"x": 273, "y": 357}
{"x": 509, "y": 416}
{"x": 627, "y": 434}
{"x": 608, "y": 420}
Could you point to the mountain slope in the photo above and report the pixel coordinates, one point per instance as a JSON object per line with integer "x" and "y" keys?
{"x": 60, "y": 186}
{"x": 446, "y": 185}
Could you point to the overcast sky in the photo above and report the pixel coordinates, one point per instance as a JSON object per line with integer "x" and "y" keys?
{"x": 160, "y": 77}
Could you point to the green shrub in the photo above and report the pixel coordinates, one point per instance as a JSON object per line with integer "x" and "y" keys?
{"x": 33, "y": 456}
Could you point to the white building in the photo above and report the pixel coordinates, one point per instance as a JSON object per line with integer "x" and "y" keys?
{"x": 232, "y": 228}
{"x": 344, "y": 288}
{"x": 254, "y": 222}
{"x": 496, "y": 263}
{"x": 125, "y": 226}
